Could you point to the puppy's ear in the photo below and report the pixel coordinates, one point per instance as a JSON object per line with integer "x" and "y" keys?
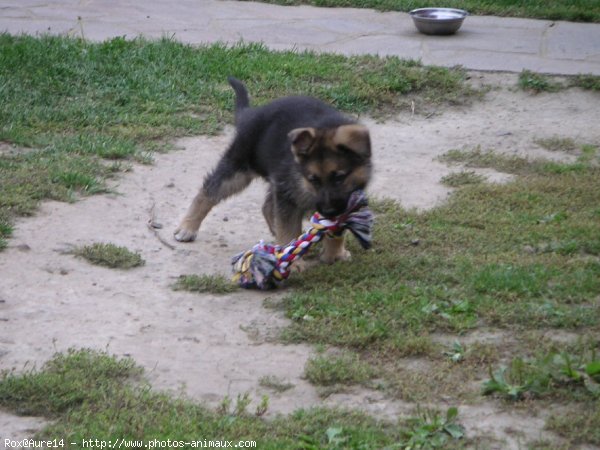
{"x": 354, "y": 138}
{"x": 302, "y": 140}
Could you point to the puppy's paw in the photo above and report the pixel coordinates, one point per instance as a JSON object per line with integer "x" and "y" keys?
{"x": 341, "y": 255}
{"x": 300, "y": 265}
{"x": 184, "y": 235}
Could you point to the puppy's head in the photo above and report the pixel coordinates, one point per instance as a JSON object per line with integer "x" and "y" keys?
{"x": 334, "y": 162}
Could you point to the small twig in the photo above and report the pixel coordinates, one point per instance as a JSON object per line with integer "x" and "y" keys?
{"x": 80, "y": 22}
{"x": 154, "y": 226}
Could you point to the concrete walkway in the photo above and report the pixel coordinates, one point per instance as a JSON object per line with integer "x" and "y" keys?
{"x": 483, "y": 43}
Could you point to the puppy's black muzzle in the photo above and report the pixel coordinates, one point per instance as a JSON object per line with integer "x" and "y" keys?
{"x": 332, "y": 207}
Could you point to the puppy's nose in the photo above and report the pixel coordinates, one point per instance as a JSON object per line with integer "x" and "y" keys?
{"x": 329, "y": 211}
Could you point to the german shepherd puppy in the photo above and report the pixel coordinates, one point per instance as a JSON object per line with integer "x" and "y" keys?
{"x": 312, "y": 156}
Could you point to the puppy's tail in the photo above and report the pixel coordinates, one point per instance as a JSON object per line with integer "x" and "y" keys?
{"x": 241, "y": 94}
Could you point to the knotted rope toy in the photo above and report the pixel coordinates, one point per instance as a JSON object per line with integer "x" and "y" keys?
{"x": 266, "y": 265}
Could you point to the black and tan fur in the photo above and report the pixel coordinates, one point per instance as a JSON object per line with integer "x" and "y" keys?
{"x": 312, "y": 156}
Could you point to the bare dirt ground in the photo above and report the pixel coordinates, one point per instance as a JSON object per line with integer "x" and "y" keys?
{"x": 209, "y": 346}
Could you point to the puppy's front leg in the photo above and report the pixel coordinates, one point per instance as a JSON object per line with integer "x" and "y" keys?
{"x": 198, "y": 210}
{"x": 334, "y": 250}
{"x": 227, "y": 179}
{"x": 268, "y": 211}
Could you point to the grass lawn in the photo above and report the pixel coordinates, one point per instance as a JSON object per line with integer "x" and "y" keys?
{"x": 522, "y": 258}
{"x": 90, "y": 394}
{"x": 578, "y": 10}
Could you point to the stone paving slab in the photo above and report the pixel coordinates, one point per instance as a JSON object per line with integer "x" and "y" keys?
{"x": 483, "y": 43}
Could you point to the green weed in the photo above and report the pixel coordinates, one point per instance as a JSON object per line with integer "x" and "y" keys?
{"x": 587, "y": 81}
{"x": 214, "y": 284}
{"x": 545, "y": 375}
{"x": 514, "y": 387}
{"x": 109, "y": 255}
{"x": 456, "y": 353}
{"x": 429, "y": 429}
{"x": 535, "y": 82}
{"x": 241, "y": 406}
{"x": 275, "y": 383}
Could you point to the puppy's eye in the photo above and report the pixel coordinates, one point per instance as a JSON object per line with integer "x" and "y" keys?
{"x": 338, "y": 177}
{"x": 313, "y": 179}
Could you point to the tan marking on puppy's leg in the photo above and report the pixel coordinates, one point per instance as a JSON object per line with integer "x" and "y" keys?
{"x": 198, "y": 210}
{"x": 203, "y": 203}
{"x": 334, "y": 250}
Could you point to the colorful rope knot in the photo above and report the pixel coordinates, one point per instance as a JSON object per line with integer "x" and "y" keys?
{"x": 265, "y": 265}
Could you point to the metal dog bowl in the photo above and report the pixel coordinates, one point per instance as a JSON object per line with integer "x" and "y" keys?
{"x": 438, "y": 20}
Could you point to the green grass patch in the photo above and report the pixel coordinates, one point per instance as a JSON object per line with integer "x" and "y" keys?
{"x": 535, "y": 82}
{"x": 558, "y": 144}
{"x": 579, "y": 10}
{"x": 27, "y": 179}
{"x": 66, "y": 382}
{"x": 476, "y": 158}
{"x": 109, "y": 255}
{"x": 343, "y": 368}
{"x": 463, "y": 178}
{"x": 586, "y": 81}
{"x": 578, "y": 424}
{"x": 275, "y": 383}
{"x": 213, "y": 284}
{"x": 72, "y": 105}
{"x": 6, "y": 230}
{"x": 85, "y": 392}
{"x": 426, "y": 380}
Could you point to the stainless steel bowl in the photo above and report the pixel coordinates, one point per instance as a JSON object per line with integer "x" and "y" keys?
{"x": 438, "y": 20}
